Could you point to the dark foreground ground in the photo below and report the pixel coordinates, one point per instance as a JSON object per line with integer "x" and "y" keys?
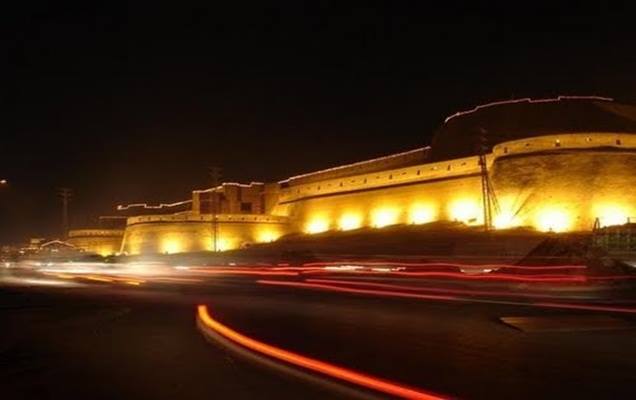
{"x": 103, "y": 341}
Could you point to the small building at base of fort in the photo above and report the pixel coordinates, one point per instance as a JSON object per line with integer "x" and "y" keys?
{"x": 556, "y": 165}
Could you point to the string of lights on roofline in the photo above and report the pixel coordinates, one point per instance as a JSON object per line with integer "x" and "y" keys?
{"x": 124, "y": 207}
{"x": 356, "y": 164}
{"x": 457, "y": 114}
{"x": 525, "y": 100}
{"x": 243, "y": 185}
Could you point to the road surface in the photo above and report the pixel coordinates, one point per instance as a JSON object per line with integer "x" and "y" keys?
{"x": 90, "y": 338}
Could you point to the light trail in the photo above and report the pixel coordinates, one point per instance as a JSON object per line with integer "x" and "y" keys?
{"x": 537, "y": 278}
{"x": 554, "y": 278}
{"x": 96, "y": 278}
{"x": 611, "y": 278}
{"x": 334, "y": 288}
{"x": 447, "y": 265}
{"x": 331, "y": 370}
{"x": 392, "y": 293}
{"x": 586, "y": 307}
{"x": 176, "y": 280}
{"x": 63, "y": 276}
{"x": 246, "y": 271}
{"x": 10, "y": 280}
{"x": 429, "y": 289}
{"x": 294, "y": 269}
{"x": 100, "y": 278}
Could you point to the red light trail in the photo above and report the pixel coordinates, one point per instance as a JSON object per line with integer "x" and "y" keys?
{"x": 245, "y": 271}
{"x": 331, "y": 370}
{"x": 429, "y": 289}
{"x": 555, "y": 278}
{"x": 393, "y": 293}
{"x": 445, "y": 265}
{"x": 536, "y": 278}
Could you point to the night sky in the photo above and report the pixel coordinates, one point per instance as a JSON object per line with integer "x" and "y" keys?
{"x": 127, "y": 103}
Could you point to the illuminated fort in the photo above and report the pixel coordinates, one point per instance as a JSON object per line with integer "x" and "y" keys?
{"x": 557, "y": 165}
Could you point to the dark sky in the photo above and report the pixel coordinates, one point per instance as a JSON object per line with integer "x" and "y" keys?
{"x": 127, "y": 103}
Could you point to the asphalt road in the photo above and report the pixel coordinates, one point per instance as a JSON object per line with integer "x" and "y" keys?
{"x": 100, "y": 340}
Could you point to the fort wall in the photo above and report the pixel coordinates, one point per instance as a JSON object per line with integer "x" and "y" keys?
{"x": 187, "y": 233}
{"x": 566, "y": 182}
{"x": 417, "y": 194}
{"x": 554, "y": 182}
{"x": 104, "y": 242}
{"x": 559, "y": 182}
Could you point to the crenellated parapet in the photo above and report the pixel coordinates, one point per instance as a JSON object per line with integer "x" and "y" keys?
{"x": 416, "y": 174}
{"x": 221, "y": 218}
{"x": 569, "y": 141}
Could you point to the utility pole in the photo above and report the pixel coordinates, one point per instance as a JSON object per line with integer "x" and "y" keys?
{"x": 65, "y": 195}
{"x": 488, "y": 197}
{"x": 215, "y": 178}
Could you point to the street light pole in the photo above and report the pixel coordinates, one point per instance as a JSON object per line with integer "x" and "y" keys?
{"x": 65, "y": 194}
{"x": 215, "y": 177}
{"x": 489, "y": 199}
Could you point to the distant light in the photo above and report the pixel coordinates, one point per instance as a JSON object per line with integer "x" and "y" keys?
{"x": 3, "y": 182}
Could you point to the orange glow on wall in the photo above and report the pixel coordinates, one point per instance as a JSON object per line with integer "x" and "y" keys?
{"x": 422, "y": 213}
{"x": 466, "y": 210}
{"x": 553, "y": 219}
{"x": 171, "y": 245}
{"x": 317, "y": 225}
{"x": 106, "y": 251}
{"x": 508, "y": 214}
{"x": 267, "y": 235}
{"x": 222, "y": 244}
{"x": 610, "y": 214}
{"x": 504, "y": 220}
{"x": 349, "y": 221}
{"x": 384, "y": 216}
